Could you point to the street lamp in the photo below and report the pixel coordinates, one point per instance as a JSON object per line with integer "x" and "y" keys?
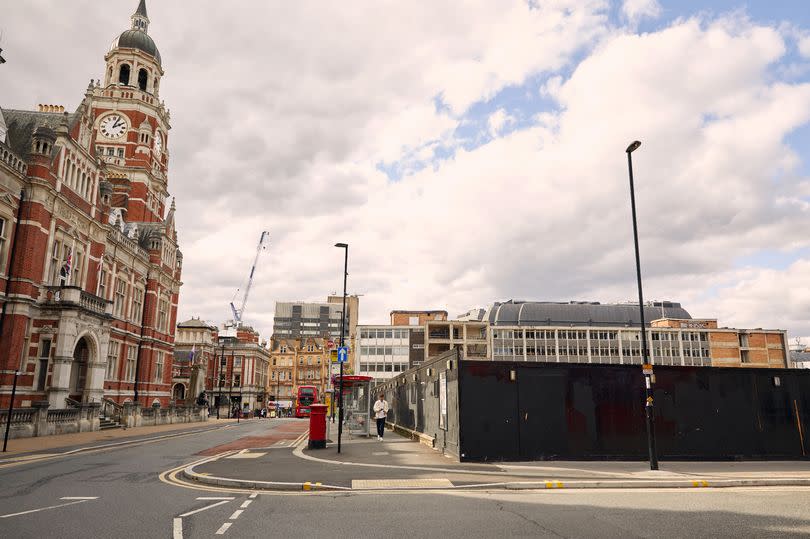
{"x": 648, "y": 407}
{"x": 219, "y": 376}
{"x": 345, "y": 248}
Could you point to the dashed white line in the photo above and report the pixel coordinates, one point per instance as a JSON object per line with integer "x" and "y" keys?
{"x": 245, "y": 504}
{"x": 223, "y": 529}
{"x": 236, "y": 514}
{"x": 215, "y": 497}
{"x": 177, "y": 529}
{"x": 253, "y": 495}
{"x": 79, "y": 498}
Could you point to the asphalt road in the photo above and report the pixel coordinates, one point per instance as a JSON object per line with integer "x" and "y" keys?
{"x": 117, "y": 493}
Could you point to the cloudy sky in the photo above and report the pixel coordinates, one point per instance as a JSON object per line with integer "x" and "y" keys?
{"x": 468, "y": 151}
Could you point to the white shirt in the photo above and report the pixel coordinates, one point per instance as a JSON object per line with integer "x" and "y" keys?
{"x": 380, "y": 409}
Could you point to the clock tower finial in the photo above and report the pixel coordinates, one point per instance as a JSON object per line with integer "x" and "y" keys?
{"x": 140, "y": 20}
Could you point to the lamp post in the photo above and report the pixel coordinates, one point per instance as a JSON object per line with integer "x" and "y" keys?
{"x": 10, "y": 409}
{"x": 219, "y": 376}
{"x": 345, "y": 248}
{"x": 648, "y": 407}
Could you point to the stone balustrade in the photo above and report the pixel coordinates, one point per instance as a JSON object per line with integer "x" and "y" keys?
{"x": 40, "y": 421}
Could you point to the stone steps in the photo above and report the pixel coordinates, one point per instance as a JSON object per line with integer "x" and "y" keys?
{"x": 106, "y": 423}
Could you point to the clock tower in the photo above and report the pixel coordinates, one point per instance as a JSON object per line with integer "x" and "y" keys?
{"x": 131, "y": 123}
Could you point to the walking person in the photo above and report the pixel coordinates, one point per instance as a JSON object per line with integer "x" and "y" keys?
{"x": 380, "y": 413}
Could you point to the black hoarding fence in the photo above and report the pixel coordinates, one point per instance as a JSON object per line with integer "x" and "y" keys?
{"x": 425, "y": 400}
{"x": 537, "y": 411}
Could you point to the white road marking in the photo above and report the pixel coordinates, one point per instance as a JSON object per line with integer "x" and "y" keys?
{"x": 43, "y": 509}
{"x": 245, "y": 504}
{"x": 244, "y": 454}
{"x": 215, "y": 497}
{"x": 236, "y": 514}
{"x": 253, "y": 495}
{"x": 177, "y": 529}
{"x": 204, "y": 508}
{"x": 223, "y": 529}
{"x": 79, "y": 498}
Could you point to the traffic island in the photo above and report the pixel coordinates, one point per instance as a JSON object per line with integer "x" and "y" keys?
{"x": 404, "y": 465}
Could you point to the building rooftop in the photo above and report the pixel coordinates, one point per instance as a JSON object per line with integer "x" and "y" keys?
{"x": 548, "y": 313}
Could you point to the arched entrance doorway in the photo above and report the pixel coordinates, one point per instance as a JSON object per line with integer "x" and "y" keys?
{"x": 179, "y": 393}
{"x": 78, "y": 369}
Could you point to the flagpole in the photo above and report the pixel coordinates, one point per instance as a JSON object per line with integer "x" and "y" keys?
{"x": 98, "y": 273}
{"x": 71, "y": 256}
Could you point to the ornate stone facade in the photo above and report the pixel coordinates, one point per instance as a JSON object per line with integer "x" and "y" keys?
{"x": 89, "y": 293}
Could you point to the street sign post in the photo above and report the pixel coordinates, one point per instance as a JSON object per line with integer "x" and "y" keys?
{"x": 343, "y": 354}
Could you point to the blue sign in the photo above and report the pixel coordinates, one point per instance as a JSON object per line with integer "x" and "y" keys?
{"x": 343, "y": 354}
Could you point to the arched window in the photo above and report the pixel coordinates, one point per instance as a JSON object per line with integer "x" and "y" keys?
{"x": 142, "y": 78}
{"x": 123, "y": 75}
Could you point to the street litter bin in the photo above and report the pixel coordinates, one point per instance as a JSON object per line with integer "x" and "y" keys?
{"x": 317, "y": 426}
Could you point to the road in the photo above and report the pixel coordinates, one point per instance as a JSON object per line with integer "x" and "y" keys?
{"x": 118, "y": 493}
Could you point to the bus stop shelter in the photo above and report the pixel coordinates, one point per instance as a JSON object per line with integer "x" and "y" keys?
{"x": 356, "y": 404}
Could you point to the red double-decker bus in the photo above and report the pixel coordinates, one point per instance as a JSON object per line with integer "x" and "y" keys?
{"x": 306, "y": 396}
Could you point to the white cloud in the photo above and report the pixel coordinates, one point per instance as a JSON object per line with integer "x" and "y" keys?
{"x": 498, "y": 121}
{"x": 280, "y": 120}
{"x": 804, "y": 46}
{"x": 636, "y": 10}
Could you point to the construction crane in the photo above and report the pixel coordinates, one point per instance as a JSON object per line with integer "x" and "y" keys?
{"x": 238, "y": 313}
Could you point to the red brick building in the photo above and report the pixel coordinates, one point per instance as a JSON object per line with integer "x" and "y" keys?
{"x": 89, "y": 293}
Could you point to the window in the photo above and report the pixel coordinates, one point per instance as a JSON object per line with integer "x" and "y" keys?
{"x": 159, "y": 367}
{"x": 137, "y": 304}
{"x": 129, "y": 374}
{"x": 44, "y": 357}
{"x": 120, "y": 152}
{"x": 283, "y": 349}
{"x": 56, "y": 263}
{"x": 120, "y": 297}
{"x": 3, "y": 241}
{"x": 162, "y": 315}
{"x": 112, "y": 361}
{"x": 237, "y": 362}
{"x": 143, "y": 77}
{"x": 123, "y": 75}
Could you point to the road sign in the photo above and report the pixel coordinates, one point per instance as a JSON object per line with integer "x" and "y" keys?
{"x": 330, "y": 344}
{"x": 343, "y": 354}
{"x": 333, "y": 356}
{"x": 647, "y": 368}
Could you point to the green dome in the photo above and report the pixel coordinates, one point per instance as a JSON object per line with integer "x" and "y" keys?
{"x": 136, "y": 39}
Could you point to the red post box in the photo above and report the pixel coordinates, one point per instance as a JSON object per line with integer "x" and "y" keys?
{"x": 317, "y": 426}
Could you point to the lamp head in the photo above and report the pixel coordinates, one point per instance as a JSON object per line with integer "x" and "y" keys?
{"x": 342, "y": 245}
{"x": 633, "y": 146}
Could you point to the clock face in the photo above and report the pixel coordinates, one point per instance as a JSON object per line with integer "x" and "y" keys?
{"x": 158, "y": 142}
{"x": 113, "y": 126}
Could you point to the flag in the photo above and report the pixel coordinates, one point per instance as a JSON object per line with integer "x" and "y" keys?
{"x": 67, "y": 266}
{"x": 193, "y": 351}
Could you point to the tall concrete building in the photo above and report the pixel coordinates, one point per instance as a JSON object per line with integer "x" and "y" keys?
{"x": 90, "y": 287}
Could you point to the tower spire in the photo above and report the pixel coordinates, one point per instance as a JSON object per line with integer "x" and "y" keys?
{"x": 140, "y": 20}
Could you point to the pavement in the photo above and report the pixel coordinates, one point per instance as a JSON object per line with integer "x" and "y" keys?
{"x": 135, "y": 489}
{"x": 399, "y": 463}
